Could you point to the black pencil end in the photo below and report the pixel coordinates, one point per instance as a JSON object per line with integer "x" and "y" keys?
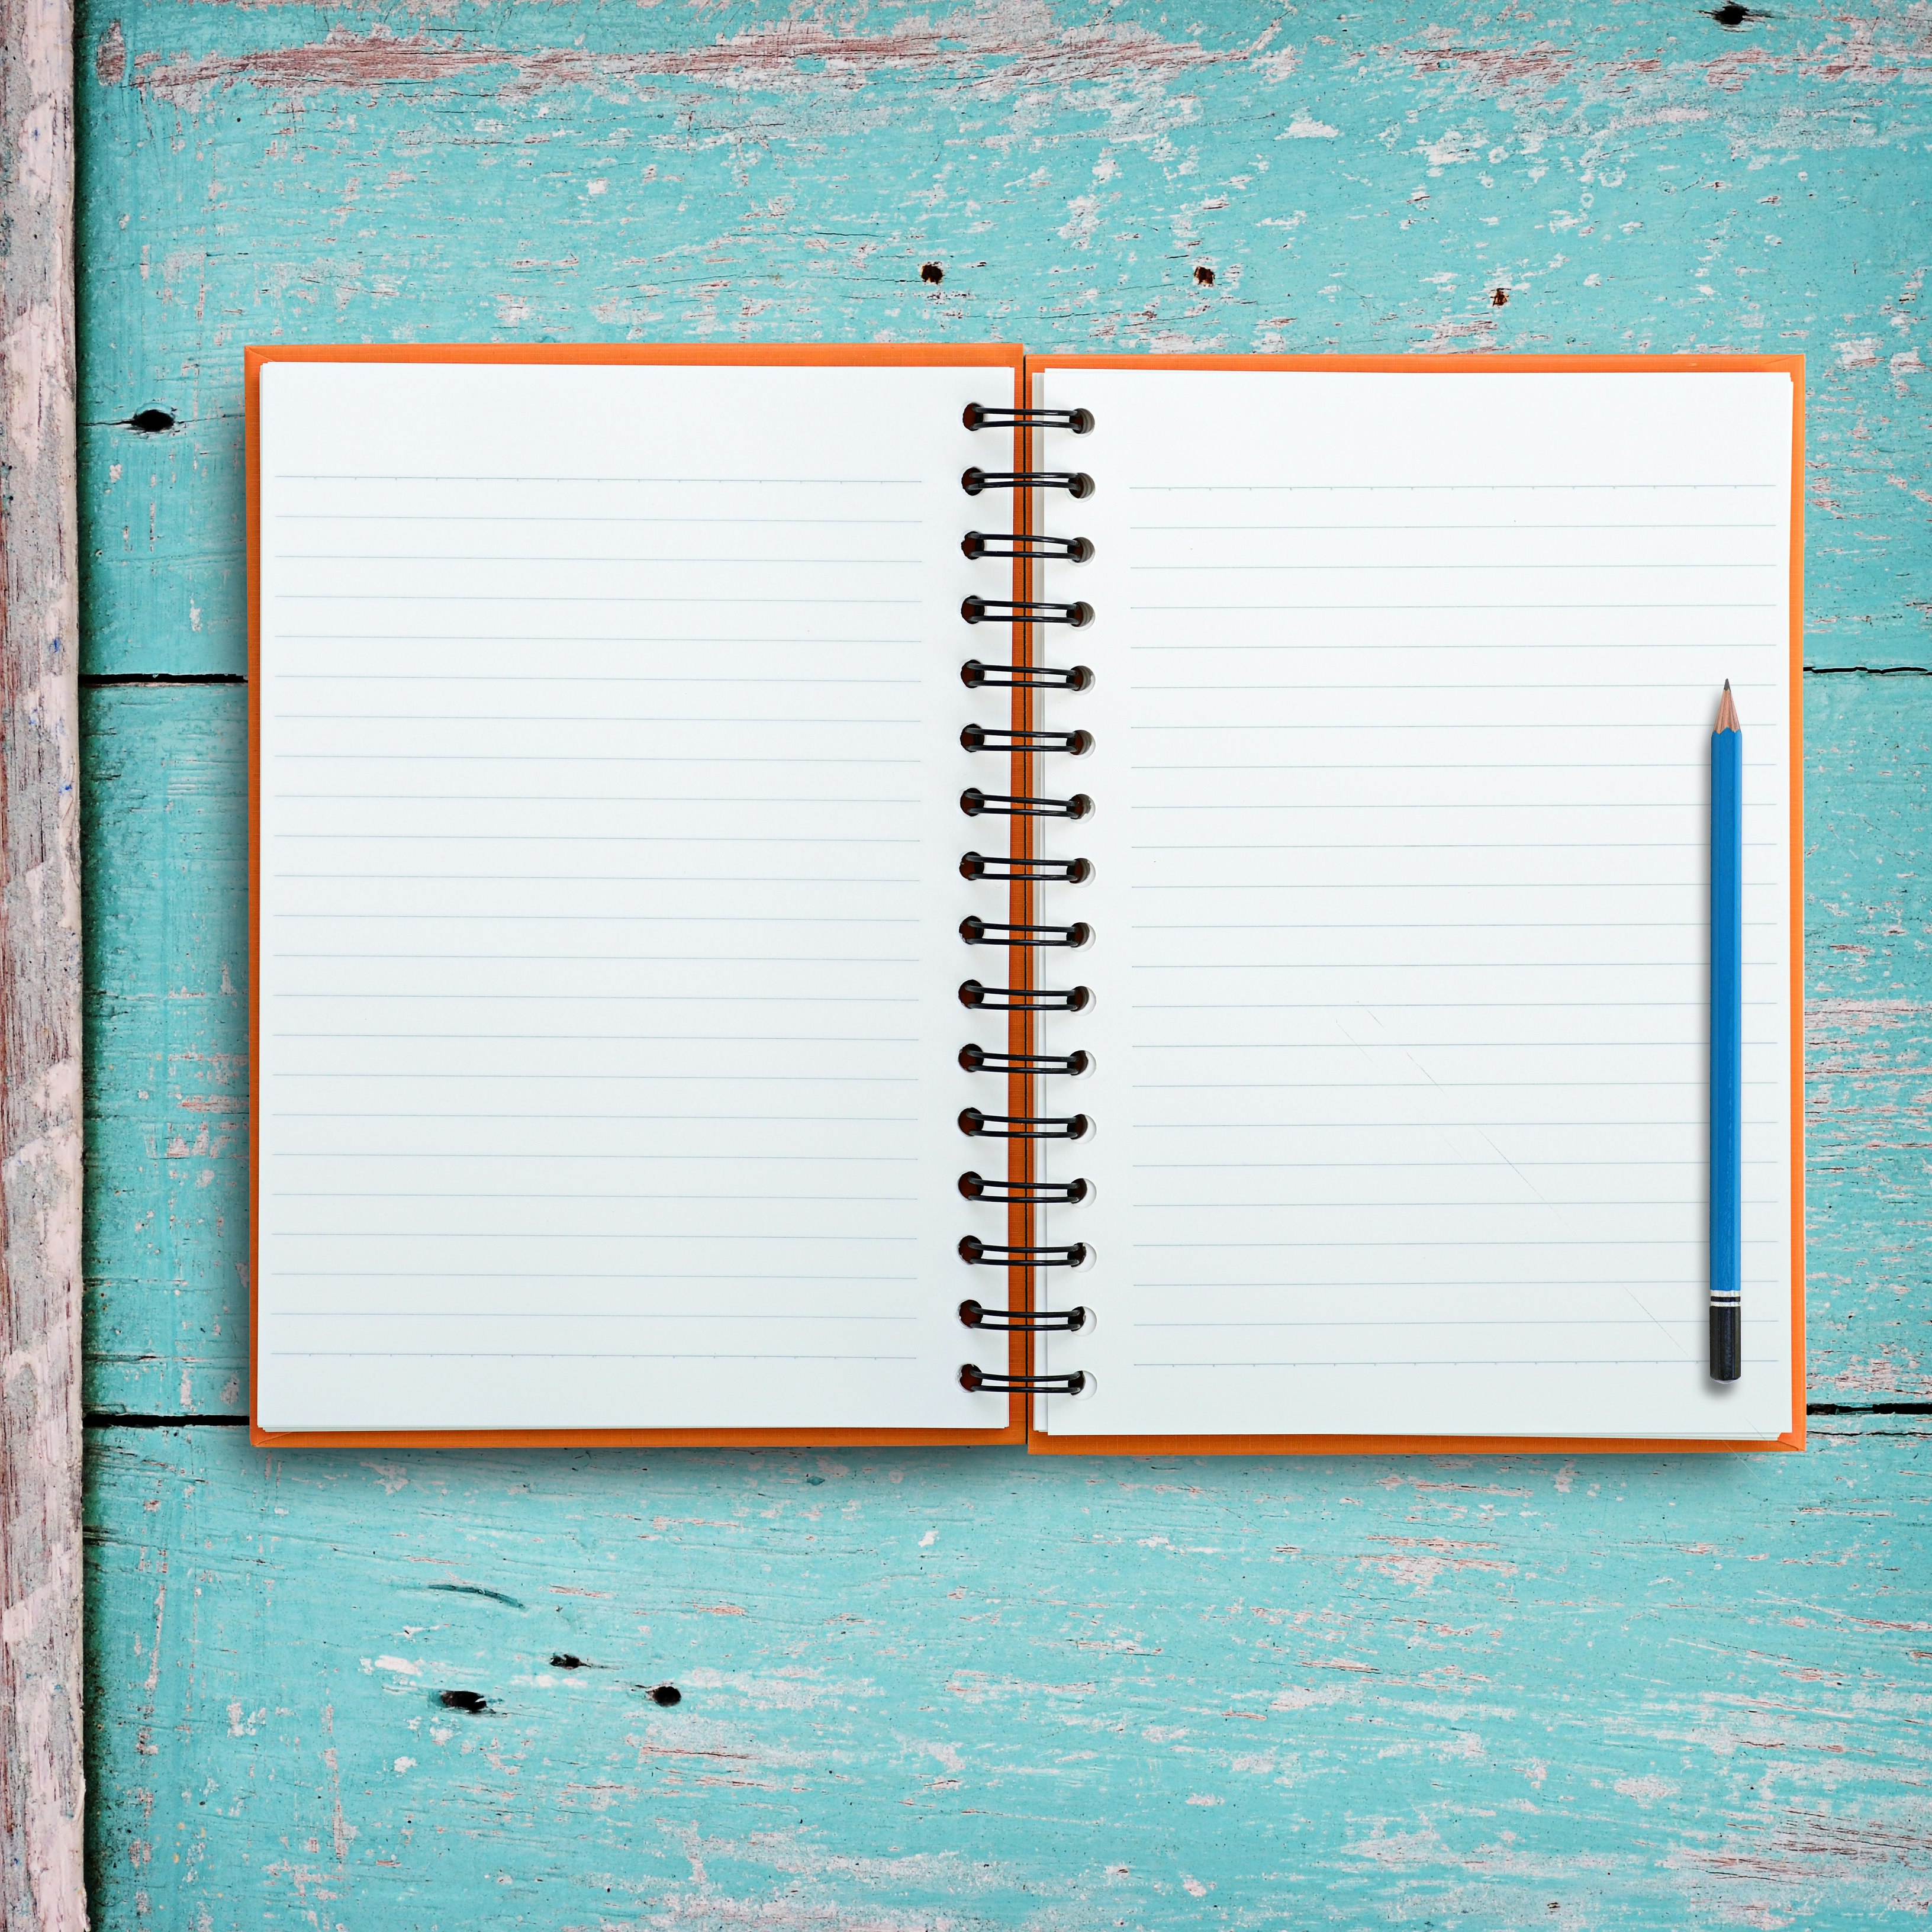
{"x": 1727, "y": 1326}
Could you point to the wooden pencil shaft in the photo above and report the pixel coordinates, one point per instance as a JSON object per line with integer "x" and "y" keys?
{"x": 1726, "y": 1158}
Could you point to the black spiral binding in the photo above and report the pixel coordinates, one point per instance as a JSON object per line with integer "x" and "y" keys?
{"x": 997, "y": 738}
{"x": 1075, "y": 482}
{"x": 991, "y": 1254}
{"x": 976, "y": 1060}
{"x": 977, "y": 677}
{"x": 1035, "y": 1321}
{"x": 975, "y": 930}
{"x": 976, "y": 543}
{"x": 973, "y": 802}
{"x": 1055, "y": 872}
{"x": 1024, "y": 999}
{"x": 977, "y": 1187}
{"x": 995, "y": 610}
{"x": 1023, "y": 1127}
{"x": 989, "y": 415}
{"x": 975, "y": 1380}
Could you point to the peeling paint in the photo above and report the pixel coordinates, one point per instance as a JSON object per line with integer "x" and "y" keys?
{"x": 1011, "y": 47}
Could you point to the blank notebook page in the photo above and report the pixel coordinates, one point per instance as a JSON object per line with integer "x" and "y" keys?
{"x": 609, "y": 830}
{"x": 1405, "y": 685}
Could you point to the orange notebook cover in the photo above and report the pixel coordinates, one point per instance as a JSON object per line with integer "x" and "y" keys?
{"x": 1197, "y": 491}
{"x": 352, "y": 517}
{"x": 482, "y": 1185}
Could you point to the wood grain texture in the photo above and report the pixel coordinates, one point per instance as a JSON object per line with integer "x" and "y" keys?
{"x": 967, "y": 1690}
{"x": 1627, "y": 178}
{"x": 1868, "y": 1037}
{"x": 41, "y": 1781}
{"x": 165, "y": 777}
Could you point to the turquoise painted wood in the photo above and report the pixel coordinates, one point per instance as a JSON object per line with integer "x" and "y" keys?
{"x": 944, "y": 1690}
{"x": 970, "y": 1690}
{"x": 1627, "y": 177}
{"x": 1868, "y": 1036}
{"x": 164, "y": 794}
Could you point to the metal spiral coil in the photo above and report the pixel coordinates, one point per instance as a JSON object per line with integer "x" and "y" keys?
{"x": 977, "y": 677}
{"x": 1023, "y": 1127}
{"x": 976, "y": 1381}
{"x": 976, "y": 1060}
{"x": 976, "y": 543}
{"x": 997, "y": 738}
{"x": 998, "y": 611}
{"x": 977, "y": 1187}
{"x": 1024, "y": 999}
{"x": 986, "y": 415}
{"x": 973, "y": 802}
{"x": 1024, "y": 934}
{"x": 1045, "y": 1320}
{"x": 992, "y": 1254}
{"x": 1076, "y": 482}
{"x": 1057, "y": 871}
{"x": 974, "y": 930}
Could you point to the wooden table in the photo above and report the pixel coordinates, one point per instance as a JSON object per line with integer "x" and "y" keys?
{"x": 390, "y": 1690}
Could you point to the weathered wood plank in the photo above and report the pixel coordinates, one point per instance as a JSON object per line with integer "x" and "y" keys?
{"x": 969, "y": 1690}
{"x": 1635, "y": 177}
{"x": 167, "y": 1243}
{"x": 166, "y": 781}
{"x": 1868, "y": 1026}
{"x": 174, "y": 567}
{"x": 41, "y": 1772}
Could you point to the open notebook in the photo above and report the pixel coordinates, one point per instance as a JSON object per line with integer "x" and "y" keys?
{"x": 652, "y": 778}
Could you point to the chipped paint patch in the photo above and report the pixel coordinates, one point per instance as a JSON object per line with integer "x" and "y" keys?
{"x": 1012, "y": 47}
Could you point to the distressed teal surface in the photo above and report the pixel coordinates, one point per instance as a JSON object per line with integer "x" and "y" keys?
{"x": 1629, "y": 177}
{"x": 1868, "y": 1037}
{"x": 977, "y": 1690}
{"x": 164, "y": 797}
{"x": 967, "y": 1690}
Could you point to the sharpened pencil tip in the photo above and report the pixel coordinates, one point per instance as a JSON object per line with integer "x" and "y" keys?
{"x": 1727, "y": 712}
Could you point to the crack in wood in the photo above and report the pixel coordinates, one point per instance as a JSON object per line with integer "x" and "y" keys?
{"x": 105, "y": 680}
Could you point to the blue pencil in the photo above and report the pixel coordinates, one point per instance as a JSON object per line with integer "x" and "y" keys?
{"x": 1727, "y": 1046}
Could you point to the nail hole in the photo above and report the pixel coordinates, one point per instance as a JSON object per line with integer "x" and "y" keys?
{"x": 1204, "y": 275}
{"x": 932, "y": 272}
{"x": 464, "y": 1700}
{"x": 1500, "y": 299}
{"x": 151, "y": 422}
{"x": 667, "y": 1694}
{"x": 562, "y": 1659}
{"x": 1731, "y": 15}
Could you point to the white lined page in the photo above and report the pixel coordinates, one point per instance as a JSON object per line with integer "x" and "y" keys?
{"x": 608, "y": 896}
{"x": 1403, "y": 718}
